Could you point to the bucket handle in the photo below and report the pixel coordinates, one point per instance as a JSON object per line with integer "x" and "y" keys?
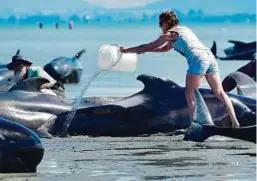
{"x": 120, "y": 54}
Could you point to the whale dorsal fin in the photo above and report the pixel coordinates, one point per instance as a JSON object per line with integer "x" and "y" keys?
{"x": 30, "y": 85}
{"x": 202, "y": 119}
{"x": 246, "y": 86}
{"x": 79, "y": 54}
{"x": 201, "y": 112}
{"x": 214, "y": 49}
{"x": 237, "y": 43}
{"x": 154, "y": 83}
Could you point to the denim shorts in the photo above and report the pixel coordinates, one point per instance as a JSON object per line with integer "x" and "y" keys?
{"x": 202, "y": 63}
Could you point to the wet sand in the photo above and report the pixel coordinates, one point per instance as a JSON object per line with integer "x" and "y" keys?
{"x": 146, "y": 158}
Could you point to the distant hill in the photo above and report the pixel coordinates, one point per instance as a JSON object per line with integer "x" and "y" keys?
{"x": 148, "y": 14}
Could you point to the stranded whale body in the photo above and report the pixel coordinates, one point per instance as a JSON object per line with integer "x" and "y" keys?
{"x": 244, "y": 84}
{"x": 160, "y": 107}
{"x": 249, "y": 70}
{"x": 27, "y": 105}
{"x": 66, "y": 70}
{"x": 240, "y": 51}
{"x": 21, "y": 149}
{"x": 6, "y": 75}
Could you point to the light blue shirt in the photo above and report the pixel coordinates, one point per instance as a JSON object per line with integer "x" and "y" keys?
{"x": 187, "y": 43}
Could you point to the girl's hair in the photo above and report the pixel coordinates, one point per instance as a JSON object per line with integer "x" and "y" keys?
{"x": 169, "y": 17}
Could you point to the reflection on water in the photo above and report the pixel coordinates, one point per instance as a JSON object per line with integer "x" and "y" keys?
{"x": 96, "y": 173}
{"x": 178, "y": 162}
{"x": 147, "y": 153}
{"x": 174, "y": 177}
{"x": 158, "y": 178}
{"x": 249, "y": 154}
{"x": 19, "y": 177}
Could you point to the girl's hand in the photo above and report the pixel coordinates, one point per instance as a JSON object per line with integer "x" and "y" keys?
{"x": 141, "y": 52}
{"x": 43, "y": 86}
{"x": 123, "y": 50}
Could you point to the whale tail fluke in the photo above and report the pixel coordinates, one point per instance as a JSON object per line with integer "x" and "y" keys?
{"x": 79, "y": 54}
{"x": 214, "y": 49}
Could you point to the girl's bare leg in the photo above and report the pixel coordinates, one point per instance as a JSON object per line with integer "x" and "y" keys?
{"x": 192, "y": 82}
{"x": 215, "y": 83}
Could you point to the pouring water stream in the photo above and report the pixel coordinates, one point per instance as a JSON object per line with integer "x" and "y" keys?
{"x": 72, "y": 112}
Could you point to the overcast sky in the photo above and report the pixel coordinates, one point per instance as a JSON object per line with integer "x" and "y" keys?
{"x": 61, "y": 6}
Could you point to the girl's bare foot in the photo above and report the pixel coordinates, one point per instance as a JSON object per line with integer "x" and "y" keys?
{"x": 235, "y": 124}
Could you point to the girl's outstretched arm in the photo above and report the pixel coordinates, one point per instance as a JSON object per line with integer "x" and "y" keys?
{"x": 145, "y": 47}
{"x": 165, "y": 48}
{"x": 161, "y": 41}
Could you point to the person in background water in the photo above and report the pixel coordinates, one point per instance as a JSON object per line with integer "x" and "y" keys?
{"x": 40, "y": 24}
{"x": 249, "y": 69}
{"x": 71, "y": 24}
{"x": 23, "y": 70}
{"x": 56, "y": 25}
{"x": 201, "y": 61}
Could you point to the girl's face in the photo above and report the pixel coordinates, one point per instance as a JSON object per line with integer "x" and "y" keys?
{"x": 164, "y": 25}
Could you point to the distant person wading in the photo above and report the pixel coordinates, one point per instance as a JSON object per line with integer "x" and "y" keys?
{"x": 40, "y": 25}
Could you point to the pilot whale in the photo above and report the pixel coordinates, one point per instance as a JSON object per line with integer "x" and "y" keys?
{"x": 240, "y": 51}
{"x": 6, "y": 75}
{"x": 24, "y": 103}
{"x": 160, "y": 107}
{"x": 20, "y": 148}
{"x": 249, "y": 70}
{"x": 244, "y": 84}
{"x": 66, "y": 70}
{"x": 203, "y": 127}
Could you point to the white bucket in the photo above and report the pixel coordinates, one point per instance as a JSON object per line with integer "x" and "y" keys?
{"x": 110, "y": 58}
